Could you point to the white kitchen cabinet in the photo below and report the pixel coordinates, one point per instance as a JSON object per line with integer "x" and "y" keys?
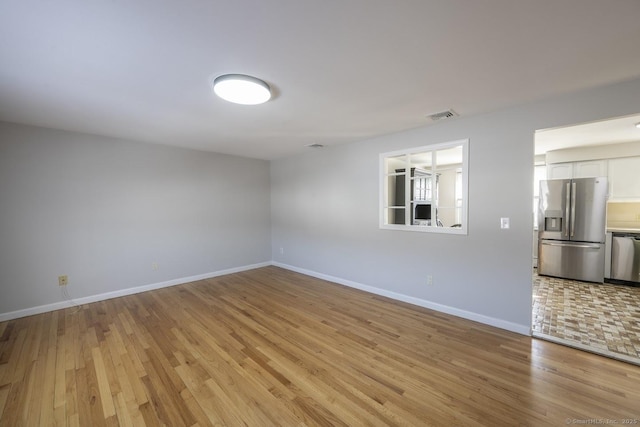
{"x": 590, "y": 169}
{"x": 560, "y": 171}
{"x": 624, "y": 178}
{"x": 587, "y": 169}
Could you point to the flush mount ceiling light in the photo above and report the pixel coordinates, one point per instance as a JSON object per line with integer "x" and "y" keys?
{"x": 638, "y": 125}
{"x": 241, "y": 89}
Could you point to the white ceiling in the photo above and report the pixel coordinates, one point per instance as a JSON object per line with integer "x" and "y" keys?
{"x": 613, "y": 131}
{"x": 341, "y": 70}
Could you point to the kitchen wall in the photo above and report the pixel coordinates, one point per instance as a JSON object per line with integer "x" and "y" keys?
{"x": 625, "y": 215}
{"x": 325, "y": 211}
{"x": 115, "y": 215}
{"x": 594, "y": 152}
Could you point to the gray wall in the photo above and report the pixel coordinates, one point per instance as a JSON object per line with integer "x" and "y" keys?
{"x": 102, "y": 211}
{"x": 325, "y": 211}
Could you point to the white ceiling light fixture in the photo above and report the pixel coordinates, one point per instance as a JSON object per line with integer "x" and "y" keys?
{"x": 638, "y": 125}
{"x": 241, "y": 89}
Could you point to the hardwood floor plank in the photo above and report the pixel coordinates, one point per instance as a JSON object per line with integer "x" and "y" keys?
{"x": 90, "y": 400}
{"x": 47, "y": 388}
{"x": 16, "y": 401}
{"x": 162, "y": 392}
{"x": 4, "y": 396}
{"x": 122, "y": 411}
{"x": 206, "y": 399}
{"x": 7, "y": 342}
{"x": 71, "y": 398}
{"x": 60, "y": 383}
{"x": 272, "y": 347}
{"x": 12, "y": 353}
{"x": 118, "y": 380}
{"x": 150, "y": 417}
{"x": 104, "y": 389}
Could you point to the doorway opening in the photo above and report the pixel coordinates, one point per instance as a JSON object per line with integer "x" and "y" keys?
{"x": 602, "y": 316}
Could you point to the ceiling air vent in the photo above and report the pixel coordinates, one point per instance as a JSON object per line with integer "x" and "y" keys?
{"x": 442, "y": 115}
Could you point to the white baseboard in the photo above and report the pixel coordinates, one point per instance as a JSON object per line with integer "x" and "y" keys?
{"x": 123, "y": 292}
{"x": 481, "y": 318}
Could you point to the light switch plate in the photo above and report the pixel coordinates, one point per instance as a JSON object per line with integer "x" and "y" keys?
{"x": 504, "y": 223}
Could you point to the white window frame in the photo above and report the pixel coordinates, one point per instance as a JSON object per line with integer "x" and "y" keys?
{"x": 384, "y": 190}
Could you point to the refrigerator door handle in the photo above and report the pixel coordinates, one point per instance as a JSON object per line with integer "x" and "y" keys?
{"x": 566, "y": 210}
{"x": 573, "y": 209}
{"x": 572, "y": 245}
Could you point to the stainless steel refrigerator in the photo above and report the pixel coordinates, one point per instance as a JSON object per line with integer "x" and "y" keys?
{"x": 571, "y": 228}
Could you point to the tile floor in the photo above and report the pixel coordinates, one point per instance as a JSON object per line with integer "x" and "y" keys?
{"x": 601, "y": 318}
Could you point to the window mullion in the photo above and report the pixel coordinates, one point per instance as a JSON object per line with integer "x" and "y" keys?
{"x": 434, "y": 188}
{"x": 408, "y": 191}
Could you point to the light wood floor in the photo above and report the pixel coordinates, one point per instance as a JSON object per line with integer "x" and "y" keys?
{"x": 272, "y": 347}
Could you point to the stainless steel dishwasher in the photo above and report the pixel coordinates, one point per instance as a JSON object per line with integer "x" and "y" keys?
{"x": 625, "y": 257}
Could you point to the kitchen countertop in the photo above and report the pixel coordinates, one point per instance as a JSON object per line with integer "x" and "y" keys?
{"x": 622, "y": 230}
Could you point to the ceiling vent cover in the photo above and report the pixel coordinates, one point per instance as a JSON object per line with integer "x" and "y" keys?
{"x": 442, "y": 115}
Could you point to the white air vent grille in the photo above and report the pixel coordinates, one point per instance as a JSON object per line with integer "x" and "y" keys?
{"x": 442, "y": 115}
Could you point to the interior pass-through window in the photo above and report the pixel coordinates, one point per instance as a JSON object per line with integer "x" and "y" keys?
{"x": 425, "y": 188}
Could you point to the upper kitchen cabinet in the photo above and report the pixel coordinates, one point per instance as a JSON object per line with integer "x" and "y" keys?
{"x": 590, "y": 169}
{"x": 560, "y": 171}
{"x": 624, "y": 178}
{"x": 587, "y": 169}
{"x": 600, "y": 148}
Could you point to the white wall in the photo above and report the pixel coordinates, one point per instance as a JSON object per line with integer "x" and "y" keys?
{"x": 325, "y": 211}
{"x": 102, "y": 211}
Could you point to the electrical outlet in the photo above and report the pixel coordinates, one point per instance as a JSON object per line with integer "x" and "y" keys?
{"x": 63, "y": 280}
{"x": 429, "y": 280}
{"x": 154, "y": 265}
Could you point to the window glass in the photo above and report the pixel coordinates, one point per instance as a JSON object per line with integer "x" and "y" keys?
{"x": 425, "y": 188}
